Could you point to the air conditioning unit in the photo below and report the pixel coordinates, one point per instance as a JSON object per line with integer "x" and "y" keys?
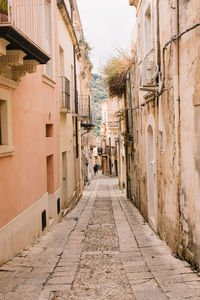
{"x": 149, "y": 70}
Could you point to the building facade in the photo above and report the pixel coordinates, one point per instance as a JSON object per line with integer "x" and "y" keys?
{"x": 29, "y": 144}
{"x": 163, "y": 85}
{"x": 74, "y": 68}
{"x": 39, "y": 142}
{"x": 109, "y": 134}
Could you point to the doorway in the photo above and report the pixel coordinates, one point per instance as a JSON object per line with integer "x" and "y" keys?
{"x": 151, "y": 178}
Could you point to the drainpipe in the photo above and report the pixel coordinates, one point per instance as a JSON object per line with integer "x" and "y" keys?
{"x": 158, "y": 36}
{"x": 128, "y": 191}
{"x": 75, "y": 119}
{"x": 177, "y": 107}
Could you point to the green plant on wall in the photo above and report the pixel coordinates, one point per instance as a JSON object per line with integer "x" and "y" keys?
{"x": 4, "y": 6}
{"x": 122, "y": 113}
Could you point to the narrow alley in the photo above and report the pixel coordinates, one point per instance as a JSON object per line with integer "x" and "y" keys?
{"x": 103, "y": 249}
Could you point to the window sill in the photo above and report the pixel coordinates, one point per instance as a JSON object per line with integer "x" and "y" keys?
{"x": 6, "y": 150}
{"x": 48, "y": 80}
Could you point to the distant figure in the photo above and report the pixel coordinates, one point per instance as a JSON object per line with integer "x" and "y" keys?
{"x": 95, "y": 169}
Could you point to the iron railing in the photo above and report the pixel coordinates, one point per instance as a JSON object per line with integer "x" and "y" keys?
{"x": 114, "y": 151}
{"x": 104, "y": 149}
{"x": 84, "y": 107}
{"x": 27, "y": 17}
{"x": 64, "y": 93}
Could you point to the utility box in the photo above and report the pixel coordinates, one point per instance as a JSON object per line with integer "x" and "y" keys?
{"x": 148, "y": 71}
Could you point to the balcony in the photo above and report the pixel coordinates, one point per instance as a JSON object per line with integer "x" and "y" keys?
{"x": 113, "y": 124}
{"x": 114, "y": 151}
{"x": 84, "y": 108}
{"x": 20, "y": 38}
{"x": 64, "y": 95}
{"x": 88, "y": 122}
{"x": 104, "y": 152}
{"x": 76, "y": 102}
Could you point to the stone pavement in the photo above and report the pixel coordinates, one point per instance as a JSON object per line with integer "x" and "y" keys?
{"x": 101, "y": 250}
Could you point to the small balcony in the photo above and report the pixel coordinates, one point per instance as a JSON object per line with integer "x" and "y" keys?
{"x": 104, "y": 149}
{"x": 64, "y": 95}
{"x": 88, "y": 123}
{"x": 20, "y": 38}
{"x": 75, "y": 102}
{"x": 84, "y": 108}
{"x": 104, "y": 153}
{"x": 109, "y": 150}
{"x": 114, "y": 151}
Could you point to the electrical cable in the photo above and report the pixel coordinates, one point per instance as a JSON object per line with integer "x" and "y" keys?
{"x": 174, "y": 38}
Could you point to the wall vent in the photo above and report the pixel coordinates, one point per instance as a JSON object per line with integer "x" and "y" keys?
{"x": 58, "y": 205}
{"x": 44, "y": 220}
{"x": 148, "y": 73}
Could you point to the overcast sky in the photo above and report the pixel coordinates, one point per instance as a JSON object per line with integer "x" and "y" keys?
{"x": 107, "y": 25}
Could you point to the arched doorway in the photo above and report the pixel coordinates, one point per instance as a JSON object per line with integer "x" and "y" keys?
{"x": 151, "y": 178}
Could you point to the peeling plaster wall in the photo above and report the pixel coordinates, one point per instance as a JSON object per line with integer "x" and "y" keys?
{"x": 166, "y": 153}
{"x": 167, "y": 150}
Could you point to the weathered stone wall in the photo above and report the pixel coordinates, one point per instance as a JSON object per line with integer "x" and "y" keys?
{"x": 167, "y": 132}
{"x": 190, "y": 130}
{"x": 174, "y": 118}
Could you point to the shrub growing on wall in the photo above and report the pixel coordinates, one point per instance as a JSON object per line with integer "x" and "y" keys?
{"x": 115, "y": 72}
{"x": 4, "y": 7}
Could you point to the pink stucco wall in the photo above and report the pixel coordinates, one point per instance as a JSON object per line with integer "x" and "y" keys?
{"x": 23, "y": 176}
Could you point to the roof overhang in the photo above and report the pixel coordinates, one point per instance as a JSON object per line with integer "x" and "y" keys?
{"x": 19, "y": 41}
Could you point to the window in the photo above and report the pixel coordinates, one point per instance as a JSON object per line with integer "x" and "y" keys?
{"x": 3, "y": 123}
{"x": 148, "y": 30}
{"x": 48, "y": 35}
{"x": 6, "y": 147}
{"x": 139, "y": 43}
{"x": 50, "y": 174}
{"x": 109, "y": 145}
{"x": 76, "y": 131}
{"x": 62, "y": 62}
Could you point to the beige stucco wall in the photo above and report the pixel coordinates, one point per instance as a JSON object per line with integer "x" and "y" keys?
{"x": 189, "y": 90}
{"x": 73, "y": 180}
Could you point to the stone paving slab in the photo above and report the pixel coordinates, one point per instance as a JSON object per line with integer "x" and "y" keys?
{"x": 171, "y": 278}
{"x": 101, "y": 250}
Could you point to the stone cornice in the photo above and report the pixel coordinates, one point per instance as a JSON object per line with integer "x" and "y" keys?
{"x": 13, "y": 66}
{"x": 63, "y": 10}
{"x": 3, "y": 44}
{"x": 13, "y": 58}
{"x": 29, "y": 66}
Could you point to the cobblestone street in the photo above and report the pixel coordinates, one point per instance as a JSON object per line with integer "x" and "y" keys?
{"x": 103, "y": 249}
